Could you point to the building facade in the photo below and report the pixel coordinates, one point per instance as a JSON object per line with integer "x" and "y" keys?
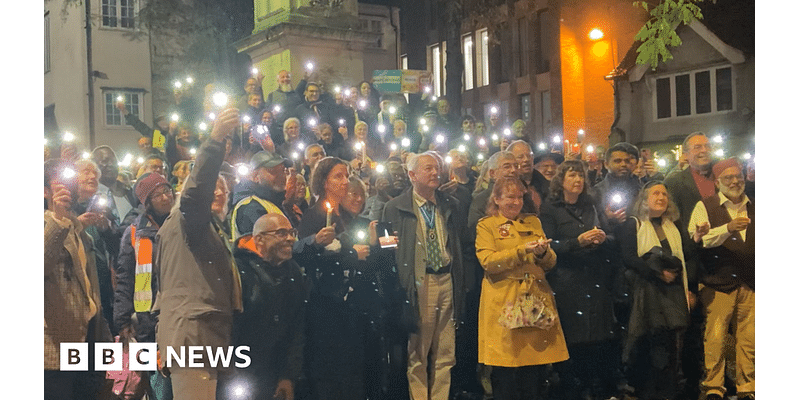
{"x": 345, "y": 41}
{"x": 538, "y": 65}
{"x": 120, "y": 67}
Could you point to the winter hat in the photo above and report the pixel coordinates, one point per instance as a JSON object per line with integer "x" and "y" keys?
{"x": 725, "y": 164}
{"x": 147, "y": 184}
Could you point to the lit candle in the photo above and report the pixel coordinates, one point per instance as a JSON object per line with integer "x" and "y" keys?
{"x": 330, "y": 213}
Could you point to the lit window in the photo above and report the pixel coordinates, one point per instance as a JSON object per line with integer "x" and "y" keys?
{"x": 468, "y": 51}
{"x": 404, "y": 61}
{"x": 438, "y": 63}
{"x": 482, "y": 56}
{"x": 133, "y": 101}
{"x": 118, "y": 13}
{"x": 695, "y": 93}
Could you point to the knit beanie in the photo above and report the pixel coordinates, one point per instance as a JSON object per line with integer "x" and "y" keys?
{"x": 147, "y": 184}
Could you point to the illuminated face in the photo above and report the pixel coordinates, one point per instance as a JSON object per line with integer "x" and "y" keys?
{"x": 219, "y": 206}
{"x": 266, "y": 118}
{"x": 354, "y": 200}
{"x": 313, "y": 155}
{"x": 620, "y": 164}
{"x": 301, "y": 185}
{"x": 250, "y": 86}
{"x": 156, "y": 166}
{"x": 443, "y": 107}
{"x": 518, "y": 129}
{"x": 547, "y": 167}
{"x": 105, "y": 159}
{"x": 731, "y": 182}
{"x": 183, "y": 136}
{"x": 698, "y": 153}
{"x": 336, "y": 183}
{"x": 145, "y": 145}
{"x": 459, "y": 159}
{"x": 361, "y": 132}
{"x": 399, "y": 129}
{"x": 506, "y": 169}
{"x": 88, "y": 179}
{"x": 292, "y": 131}
{"x": 524, "y": 159}
{"x": 509, "y": 204}
{"x": 365, "y": 89}
{"x": 573, "y": 182}
{"x": 254, "y": 100}
{"x": 274, "y": 177}
{"x": 480, "y": 128}
{"x": 312, "y": 93}
{"x": 494, "y": 119}
{"x": 274, "y": 243}
{"x": 426, "y": 174}
{"x": 468, "y": 126}
{"x": 284, "y": 78}
{"x": 326, "y": 134}
{"x": 657, "y": 200}
{"x": 162, "y": 199}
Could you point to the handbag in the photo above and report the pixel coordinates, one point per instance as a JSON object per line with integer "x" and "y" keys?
{"x": 531, "y": 309}
{"x": 127, "y": 384}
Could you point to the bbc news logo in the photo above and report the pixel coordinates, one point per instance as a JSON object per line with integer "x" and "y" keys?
{"x": 144, "y": 356}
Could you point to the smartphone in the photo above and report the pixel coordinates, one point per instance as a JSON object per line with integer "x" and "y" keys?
{"x": 386, "y": 236}
{"x": 98, "y": 203}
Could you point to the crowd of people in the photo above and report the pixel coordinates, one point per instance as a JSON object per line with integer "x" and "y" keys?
{"x": 367, "y": 248}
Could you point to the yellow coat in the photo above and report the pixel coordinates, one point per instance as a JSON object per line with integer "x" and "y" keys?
{"x": 500, "y": 246}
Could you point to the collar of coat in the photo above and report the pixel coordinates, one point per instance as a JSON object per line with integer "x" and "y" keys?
{"x": 405, "y": 202}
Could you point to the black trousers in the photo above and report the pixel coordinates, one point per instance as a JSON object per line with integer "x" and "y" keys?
{"x": 517, "y": 383}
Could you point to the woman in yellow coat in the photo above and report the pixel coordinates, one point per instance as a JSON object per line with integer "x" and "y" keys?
{"x": 515, "y": 254}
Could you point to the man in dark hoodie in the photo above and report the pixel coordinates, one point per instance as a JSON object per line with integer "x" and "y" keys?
{"x": 263, "y": 193}
{"x": 273, "y": 321}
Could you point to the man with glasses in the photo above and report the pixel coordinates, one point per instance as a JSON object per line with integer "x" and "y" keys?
{"x": 273, "y": 321}
{"x": 695, "y": 183}
{"x": 726, "y": 222}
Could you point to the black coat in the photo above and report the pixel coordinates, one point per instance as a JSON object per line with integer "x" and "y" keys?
{"x": 273, "y": 320}
{"x": 584, "y": 279}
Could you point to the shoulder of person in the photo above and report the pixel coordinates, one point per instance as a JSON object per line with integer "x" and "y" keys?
{"x": 528, "y": 218}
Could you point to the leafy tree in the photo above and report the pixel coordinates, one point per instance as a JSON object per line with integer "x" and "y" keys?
{"x": 658, "y": 33}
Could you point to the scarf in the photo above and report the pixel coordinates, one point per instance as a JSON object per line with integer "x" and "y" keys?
{"x": 647, "y": 238}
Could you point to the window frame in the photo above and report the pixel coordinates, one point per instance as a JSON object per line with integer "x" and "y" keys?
{"x": 482, "y": 58}
{"x": 468, "y": 76}
{"x": 712, "y": 70}
{"x": 128, "y": 92}
{"x": 118, "y": 15}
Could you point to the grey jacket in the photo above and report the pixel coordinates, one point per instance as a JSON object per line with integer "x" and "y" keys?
{"x": 400, "y": 212}
{"x": 196, "y": 297}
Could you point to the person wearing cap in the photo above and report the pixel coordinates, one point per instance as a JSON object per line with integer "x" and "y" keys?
{"x": 135, "y": 287}
{"x": 199, "y": 287}
{"x": 726, "y": 222}
{"x": 264, "y": 192}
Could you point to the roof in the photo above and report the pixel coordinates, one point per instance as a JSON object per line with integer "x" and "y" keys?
{"x": 731, "y": 22}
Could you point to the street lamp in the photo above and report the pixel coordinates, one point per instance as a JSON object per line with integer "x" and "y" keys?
{"x": 596, "y": 34}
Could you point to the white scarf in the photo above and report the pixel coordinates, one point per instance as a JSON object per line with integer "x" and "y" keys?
{"x": 647, "y": 238}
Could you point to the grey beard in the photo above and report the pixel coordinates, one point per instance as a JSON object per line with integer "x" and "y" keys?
{"x": 285, "y": 88}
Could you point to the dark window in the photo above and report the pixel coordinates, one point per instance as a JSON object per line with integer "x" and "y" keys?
{"x": 702, "y": 83}
{"x": 663, "y": 98}
{"x": 522, "y": 46}
{"x": 126, "y": 13}
{"x": 724, "y": 89}
{"x": 683, "y": 95}
{"x": 543, "y": 33}
{"x": 109, "y": 11}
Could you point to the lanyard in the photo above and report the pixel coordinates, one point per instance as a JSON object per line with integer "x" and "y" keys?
{"x": 430, "y": 221}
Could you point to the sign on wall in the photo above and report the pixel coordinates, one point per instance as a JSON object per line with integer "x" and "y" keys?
{"x": 401, "y": 80}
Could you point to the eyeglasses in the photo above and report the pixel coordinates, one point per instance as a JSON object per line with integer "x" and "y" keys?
{"x": 728, "y": 179}
{"x": 161, "y": 192}
{"x": 281, "y": 233}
